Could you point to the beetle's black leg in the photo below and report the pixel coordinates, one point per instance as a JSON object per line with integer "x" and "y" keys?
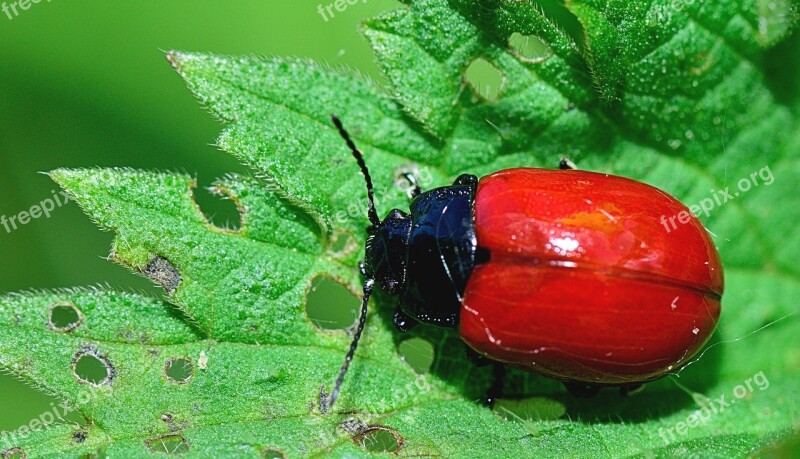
{"x": 629, "y": 389}
{"x": 402, "y": 321}
{"x": 582, "y": 390}
{"x": 496, "y": 389}
{"x": 414, "y": 190}
{"x": 566, "y": 164}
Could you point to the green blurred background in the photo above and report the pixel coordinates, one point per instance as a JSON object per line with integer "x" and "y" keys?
{"x": 86, "y": 84}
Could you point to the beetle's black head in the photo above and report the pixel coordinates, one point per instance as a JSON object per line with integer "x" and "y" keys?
{"x": 386, "y": 251}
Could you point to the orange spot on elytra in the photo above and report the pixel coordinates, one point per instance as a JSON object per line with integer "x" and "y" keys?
{"x": 603, "y": 217}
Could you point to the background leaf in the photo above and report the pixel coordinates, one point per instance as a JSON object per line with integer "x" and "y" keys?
{"x": 684, "y": 103}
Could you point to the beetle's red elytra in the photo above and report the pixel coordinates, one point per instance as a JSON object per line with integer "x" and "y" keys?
{"x": 583, "y": 283}
{"x": 566, "y": 273}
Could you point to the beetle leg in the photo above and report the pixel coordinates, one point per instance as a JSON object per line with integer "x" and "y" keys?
{"x": 566, "y": 164}
{"x": 582, "y": 390}
{"x": 629, "y": 389}
{"x": 402, "y": 321}
{"x": 496, "y": 389}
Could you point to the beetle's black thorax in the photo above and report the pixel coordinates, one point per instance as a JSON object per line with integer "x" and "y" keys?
{"x": 426, "y": 256}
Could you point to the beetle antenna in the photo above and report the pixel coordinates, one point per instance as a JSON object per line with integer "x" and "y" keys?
{"x": 327, "y": 402}
{"x": 372, "y": 214}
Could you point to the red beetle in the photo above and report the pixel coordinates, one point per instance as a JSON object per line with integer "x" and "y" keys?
{"x": 567, "y": 273}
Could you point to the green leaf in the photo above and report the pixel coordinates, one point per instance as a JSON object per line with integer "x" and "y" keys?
{"x": 683, "y": 95}
{"x": 279, "y": 114}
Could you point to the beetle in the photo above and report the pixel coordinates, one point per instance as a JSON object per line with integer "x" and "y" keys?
{"x": 567, "y": 273}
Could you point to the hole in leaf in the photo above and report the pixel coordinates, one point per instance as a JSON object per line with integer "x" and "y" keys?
{"x": 161, "y": 271}
{"x": 92, "y": 368}
{"x": 79, "y": 436}
{"x": 179, "y": 370}
{"x": 339, "y": 242}
{"x": 486, "y": 80}
{"x": 64, "y": 317}
{"x": 530, "y": 409}
{"x": 219, "y": 207}
{"x": 330, "y": 305}
{"x": 14, "y": 453}
{"x": 418, "y": 353}
{"x": 168, "y": 444}
{"x": 529, "y": 48}
{"x": 379, "y": 439}
{"x": 272, "y": 453}
{"x": 342, "y": 244}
